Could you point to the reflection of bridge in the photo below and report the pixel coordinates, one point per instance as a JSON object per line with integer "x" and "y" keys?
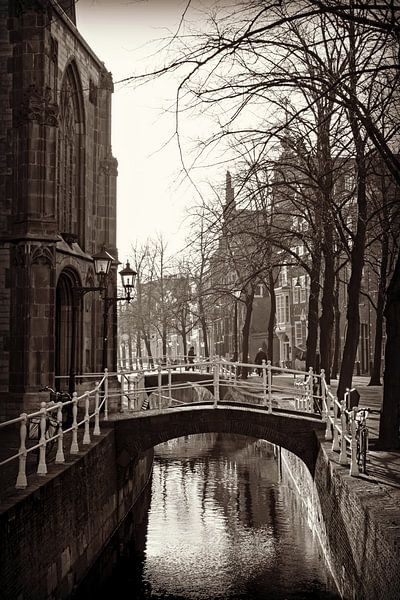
{"x": 285, "y": 407}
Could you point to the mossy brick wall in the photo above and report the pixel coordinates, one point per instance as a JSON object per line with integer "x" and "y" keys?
{"x": 52, "y": 534}
{"x": 356, "y": 522}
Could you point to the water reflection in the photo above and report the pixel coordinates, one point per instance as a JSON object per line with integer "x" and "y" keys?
{"x": 221, "y": 525}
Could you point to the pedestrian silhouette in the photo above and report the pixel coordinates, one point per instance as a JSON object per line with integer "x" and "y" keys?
{"x": 191, "y": 355}
{"x": 260, "y": 356}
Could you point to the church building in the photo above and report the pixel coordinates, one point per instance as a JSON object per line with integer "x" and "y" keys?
{"x": 58, "y": 202}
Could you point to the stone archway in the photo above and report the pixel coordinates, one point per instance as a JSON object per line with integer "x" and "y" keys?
{"x": 67, "y": 329}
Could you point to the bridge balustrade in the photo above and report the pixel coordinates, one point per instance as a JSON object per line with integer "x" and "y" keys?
{"x": 47, "y": 427}
{"x": 223, "y": 382}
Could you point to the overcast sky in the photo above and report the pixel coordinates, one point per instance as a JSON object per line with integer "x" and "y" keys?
{"x": 149, "y": 198}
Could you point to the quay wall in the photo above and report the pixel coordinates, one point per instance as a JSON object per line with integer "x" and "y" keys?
{"x": 52, "y": 533}
{"x": 348, "y": 516}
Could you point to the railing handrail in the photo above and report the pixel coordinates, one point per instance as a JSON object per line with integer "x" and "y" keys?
{"x": 311, "y": 394}
{"x": 42, "y": 421}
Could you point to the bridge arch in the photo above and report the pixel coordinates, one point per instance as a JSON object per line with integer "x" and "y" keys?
{"x": 297, "y": 433}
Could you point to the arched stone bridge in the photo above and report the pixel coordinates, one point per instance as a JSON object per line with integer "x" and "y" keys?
{"x": 297, "y": 432}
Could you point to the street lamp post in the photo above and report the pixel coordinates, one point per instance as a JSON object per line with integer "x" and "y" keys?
{"x": 128, "y": 276}
{"x": 236, "y": 294}
{"x": 102, "y": 265}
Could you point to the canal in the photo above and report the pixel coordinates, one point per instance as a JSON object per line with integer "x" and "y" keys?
{"x": 221, "y": 525}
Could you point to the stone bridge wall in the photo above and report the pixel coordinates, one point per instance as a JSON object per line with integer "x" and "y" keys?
{"x": 53, "y": 532}
{"x": 344, "y": 512}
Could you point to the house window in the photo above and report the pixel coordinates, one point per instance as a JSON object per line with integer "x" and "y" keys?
{"x": 259, "y": 291}
{"x": 348, "y": 182}
{"x": 283, "y": 280}
{"x": 282, "y": 309}
{"x": 303, "y": 288}
{"x": 298, "y": 334}
{"x": 296, "y": 291}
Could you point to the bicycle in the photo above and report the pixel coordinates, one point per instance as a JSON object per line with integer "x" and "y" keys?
{"x": 362, "y": 438}
{"x": 34, "y": 431}
{"x": 34, "y": 428}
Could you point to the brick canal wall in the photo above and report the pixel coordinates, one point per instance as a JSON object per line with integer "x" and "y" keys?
{"x": 345, "y": 514}
{"x": 53, "y": 533}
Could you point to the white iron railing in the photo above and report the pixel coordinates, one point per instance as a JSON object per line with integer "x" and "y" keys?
{"x": 347, "y": 428}
{"x": 305, "y": 392}
{"x": 48, "y": 425}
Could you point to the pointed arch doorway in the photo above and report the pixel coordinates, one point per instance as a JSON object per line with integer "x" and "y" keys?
{"x": 68, "y": 330}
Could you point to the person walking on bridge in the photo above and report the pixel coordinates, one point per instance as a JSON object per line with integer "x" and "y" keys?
{"x": 191, "y": 356}
{"x": 260, "y": 356}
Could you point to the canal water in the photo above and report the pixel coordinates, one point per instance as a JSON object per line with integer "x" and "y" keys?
{"x": 221, "y": 525}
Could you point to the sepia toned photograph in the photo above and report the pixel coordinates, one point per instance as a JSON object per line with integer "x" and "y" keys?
{"x": 199, "y": 299}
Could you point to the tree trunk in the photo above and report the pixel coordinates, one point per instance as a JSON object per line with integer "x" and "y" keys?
{"x": 325, "y": 214}
{"x": 357, "y": 264}
{"x": 336, "y": 352}
{"x": 130, "y": 353}
{"x": 164, "y": 344}
{"x": 312, "y": 335}
{"x": 246, "y": 332}
{"x": 376, "y": 366}
{"x": 272, "y": 316}
{"x": 327, "y": 314}
{"x": 357, "y": 253}
{"x": 139, "y": 351}
{"x": 184, "y": 338}
{"x": 203, "y": 322}
{"x": 389, "y": 437}
{"x": 146, "y": 340}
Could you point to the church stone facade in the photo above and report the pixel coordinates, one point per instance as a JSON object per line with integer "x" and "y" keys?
{"x": 58, "y": 200}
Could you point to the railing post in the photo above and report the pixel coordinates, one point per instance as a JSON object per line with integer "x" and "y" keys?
{"x": 216, "y": 381}
{"x": 140, "y": 388}
{"x": 354, "y": 470}
{"x": 21, "y": 482}
{"x": 343, "y": 451}
{"x": 96, "y": 429}
{"x": 106, "y": 394}
{"x": 159, "y": 382}
{"x": 310, "y": 407}
{"x": 42, "y": 467}
{"x": 86, "y": 435}
{"x": 335, "y": 442}
{"x": 60, "y": 440}
{"x": 269, "y": 370}
{"x": 134, "y": 383}
{"x": 74, "y": 443}
{"x": 169, "y": 386}
{"x": 326, "y": 408}
{"x": 264, "y": 382}
{"x": 122, "y": 392}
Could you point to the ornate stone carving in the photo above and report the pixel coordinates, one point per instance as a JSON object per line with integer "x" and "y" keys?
{"x": 54, "y": 50}
{"x": 37, "y": 106}
{"x": 92, "y": 92}
{"x": 21, "y": 255}
{"x": 43, "y": 255}
{"x": 106, "y": 81}
{"x": 26, "y": 254}
{"x": 109, "y": 166}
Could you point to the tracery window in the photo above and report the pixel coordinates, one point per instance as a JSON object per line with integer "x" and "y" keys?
{"x": 69, "y": 157}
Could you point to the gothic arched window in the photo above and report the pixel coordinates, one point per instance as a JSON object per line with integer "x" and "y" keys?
{"x": 70, "y": 161}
